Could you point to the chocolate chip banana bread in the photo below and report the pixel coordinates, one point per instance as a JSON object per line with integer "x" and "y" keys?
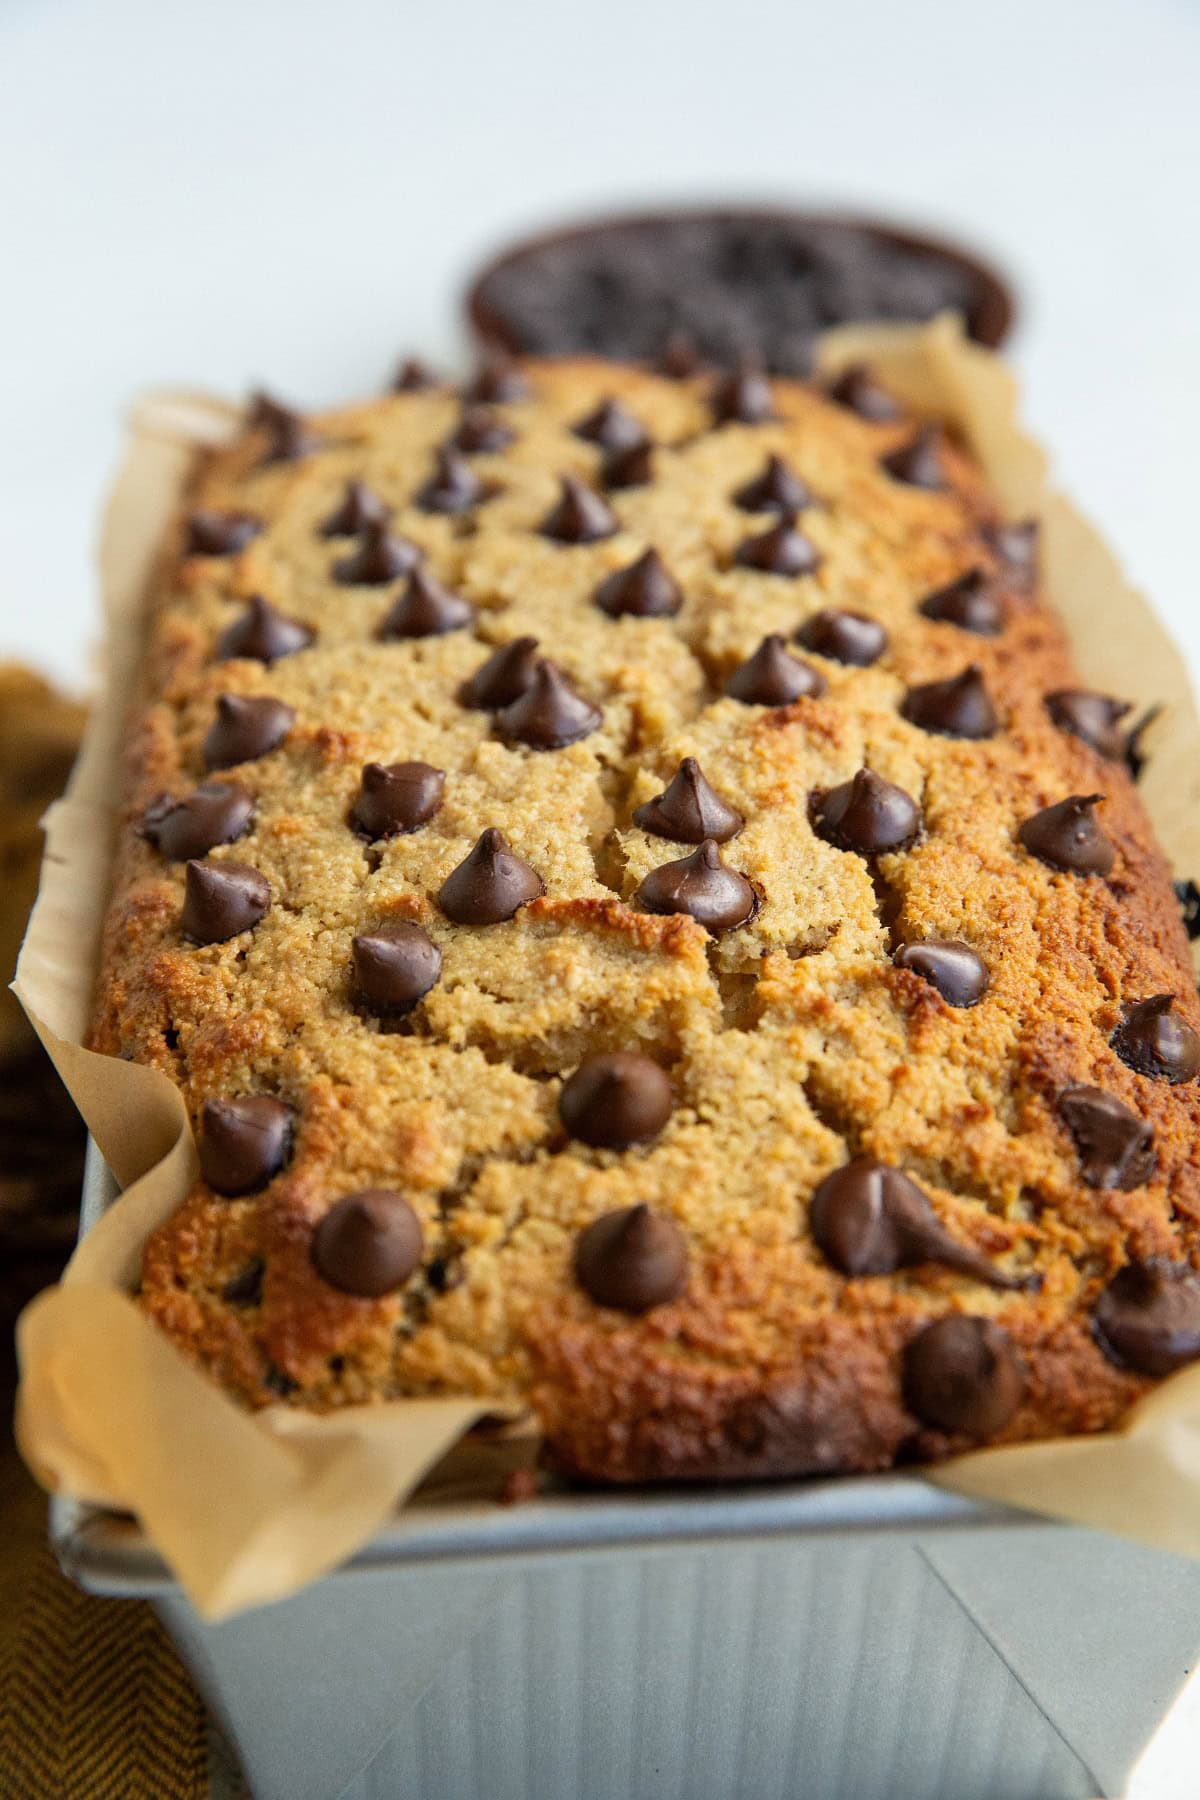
{"x": 647, "y": 923}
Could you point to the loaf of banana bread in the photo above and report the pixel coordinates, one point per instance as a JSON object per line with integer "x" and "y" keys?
{"x": 648, "y": 925}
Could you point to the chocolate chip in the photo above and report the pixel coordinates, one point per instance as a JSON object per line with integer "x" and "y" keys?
{"x": 963, "y": 1374}
{"x": 780, "y": 551}
{"x": 243, "y": 1143}
{"x": 549, "y": 713}
{"x": 220, "y": 533}
{"x": 679, "y": 357}
{"x": 579, "y": 516}
{"x": 1016, "y": 546}
{"x": 1135, "y": 757}
{"x": 289, "y": 436}
{"x": 632, "y": 1260}
{"x": 689, "y": 810}
{"x": 1148, "y": 1317}
{"x": 971, "y": 603}
{"x": 742, "y": 397}
{"x": 245, "y": 1288}
{"x": 245, "y": 728}
{"x": 777, "y": 489}
{"x": 368, "y": 1244}
{"x": 774, "y": 677}
{"x": 957, "y": 972}
{"x": 217, "y": 812}
{"x": 844, "y": 637}
{"x": 413, "y": 377}
{"x": 426, "y": 609}
{"x": 616, "y": 1100}
{"x": 489, "y": 885}
{"x": 701, "y": 886}
{"x": 503, "y": 677}
{"x": 1095, "y": 718}
{"x": 454, "y": 487}
{"x": 918, "y": 462}
{"x": 1154, "y": 1040}
{"x": 378, "y": 559}
{"x": 396, "y": 798}
{"x": 1116, "y": 1148}
{"x": 221, "y": 900}
{"x": 1188, "y": 896}
{"x": 498, "y": 383}
{"x": 867, "y": 814}
{"x": 644, "y": 590}
{"x": 630, "y": 468}
{"x": 395, "y": 966}
{"x": 262, "y": 635}
{"x": 481, "y": 433}
{"x": 357, "y": 511}
{"x": 960, "y": 707}
{"x": 1067, "y": 837}
{"x": 857, "y": 390}
{"x": 870, "y": 1219}
{"x": 611, "y": 427}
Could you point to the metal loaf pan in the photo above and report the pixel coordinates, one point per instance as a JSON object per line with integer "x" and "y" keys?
{"x": 870, "y": 1639}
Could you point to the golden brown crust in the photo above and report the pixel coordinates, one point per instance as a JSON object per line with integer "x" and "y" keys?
{"x": 792, "y": 1043}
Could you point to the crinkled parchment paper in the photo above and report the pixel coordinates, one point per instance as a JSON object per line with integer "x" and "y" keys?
{"x": 247, "y": 1508}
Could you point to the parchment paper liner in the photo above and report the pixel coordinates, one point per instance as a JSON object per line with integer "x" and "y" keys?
{"x": 248, "y": 1508}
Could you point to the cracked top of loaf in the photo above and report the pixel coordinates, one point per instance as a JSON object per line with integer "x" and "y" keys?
{"x": 750, "y": 1022}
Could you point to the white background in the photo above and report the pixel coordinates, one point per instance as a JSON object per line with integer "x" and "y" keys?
{"x": 239, "y": 190}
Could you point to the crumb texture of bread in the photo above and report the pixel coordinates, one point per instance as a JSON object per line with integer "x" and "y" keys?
{"x": 792, "y": 1040}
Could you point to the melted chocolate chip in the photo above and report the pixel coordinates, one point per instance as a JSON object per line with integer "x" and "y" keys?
{"x": 628, "y": 468}
{"x": 357, "y": 511}
{"x": 217, "y": 812}
{"x": 220, "y": 533}
{"x": 857, "y": 390}
{"x": 481, "y": 433}
{"x": 425, "y": 609}
{"x": 957, "y": 972}
{"x": 780, "y": 551}
{"x": 289, "y": 436}
{"x": 378, "y": 559}
{"x": 503, "y": 677}
{"x": 632, "y": 1260}
{"x": 918, "y": 463}
{"x": 396, "y": 798}
{"x": 1016, "y": 546}
{"x": 611, "y": 427}
{"x": 579, "y": 516}
{"x": 413, "y": 377}
{"x": 245, "y": 728}
{"x": 689, "y": 810}
{"x": 549, "y": 713}
{"x": 1188, "y": 896}
{"x": 616, "y": 1100}
{"x": 1095, "y": 718}
{"x": 960, "y": 707}
{"x": 221, "y": 900}
{"x": 395, "y": 966}
{"x": 1067, "y": 837}
{"x": 644, "y": 590}
{"x": 489, "y": 885}
{"x": 1116, "y": 1148}
{"x": 1148, "y": 1317}
{"x": 243, "y": 1143}
{"x": 262, "y": 635}
{"x": 777, "y": 489}
{"x": 702, "y": 886}
{"x": 742, "y": 397}
{"x": 245, "y": 1288}
{"x": 869, "y": 1219}
{"x": 498, "y": 383}
{"x": 774, "y": 677}
{"x": 1153, "y": 1040}
{"x": 368, "y": 1244}
{"x": 679, "y": 357}
{"x": 972, "y": 603}
{"x": 454, "y": 487}
{"x": 963, "y": 1374}
{"x": 844, "y": 637}
{"x": 867, "y": 814}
